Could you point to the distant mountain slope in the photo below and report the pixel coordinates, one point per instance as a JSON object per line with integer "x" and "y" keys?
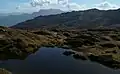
{"x": 88, "y": 18}
{"x": 14, "y": 19}
{"x": 45, "y": 12}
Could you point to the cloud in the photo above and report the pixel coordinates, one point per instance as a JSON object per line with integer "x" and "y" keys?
{"x": 65, "y": 5}
{"x": 26, "y": 8}
{"x": 63, "y": 2}
{"x": 76, "y": 7}
{"x": 57, "y": 4}
{"x": 35, "y": 3}
{"x": 106, "y": 5}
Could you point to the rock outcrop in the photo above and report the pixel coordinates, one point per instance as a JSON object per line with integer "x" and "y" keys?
{"x": 3, "y": 71}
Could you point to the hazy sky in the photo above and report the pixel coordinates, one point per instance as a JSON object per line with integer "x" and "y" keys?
{"x": 28, "y": 6}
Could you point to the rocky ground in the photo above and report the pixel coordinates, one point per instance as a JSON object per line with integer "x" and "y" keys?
{"x": 18, "y": 44}
{"x": 21, "y": 43}
{"x": 99, "y": 45}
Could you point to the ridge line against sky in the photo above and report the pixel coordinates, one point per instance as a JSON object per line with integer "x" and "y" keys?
{"x": 29, "y": 6}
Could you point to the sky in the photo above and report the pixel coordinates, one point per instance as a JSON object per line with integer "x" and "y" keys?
{"x": 29, "y": 6}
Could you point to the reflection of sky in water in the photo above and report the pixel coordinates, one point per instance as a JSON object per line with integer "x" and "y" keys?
{"x": 50, "y": 61}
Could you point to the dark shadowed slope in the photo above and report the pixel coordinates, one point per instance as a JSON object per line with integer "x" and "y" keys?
{"x": 88, "y": 18}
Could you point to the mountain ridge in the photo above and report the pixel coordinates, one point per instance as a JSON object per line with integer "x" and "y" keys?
{"x": 88, "y": 18}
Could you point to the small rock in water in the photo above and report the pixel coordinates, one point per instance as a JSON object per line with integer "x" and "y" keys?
{"x": 68, "y": 53}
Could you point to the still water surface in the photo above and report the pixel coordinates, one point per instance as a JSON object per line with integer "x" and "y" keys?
{"x": 52, "y": 61}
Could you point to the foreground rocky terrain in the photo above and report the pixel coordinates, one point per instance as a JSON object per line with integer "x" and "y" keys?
{"x": 98, "y": 45}
{"x": 21, "y": 43}
{"x": 101, "y": 45}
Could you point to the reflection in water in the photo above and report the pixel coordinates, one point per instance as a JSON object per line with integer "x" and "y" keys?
{"x": 51, "y": 61}
{"x": 11, "y": 55}
{"x": 4, "y": 56}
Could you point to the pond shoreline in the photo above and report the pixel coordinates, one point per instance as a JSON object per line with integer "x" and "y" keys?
{"x": 100, "y": 45}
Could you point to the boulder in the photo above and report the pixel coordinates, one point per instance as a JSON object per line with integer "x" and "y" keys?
{"x": 105, "y": 38}
{"x": 108, "y": 45}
